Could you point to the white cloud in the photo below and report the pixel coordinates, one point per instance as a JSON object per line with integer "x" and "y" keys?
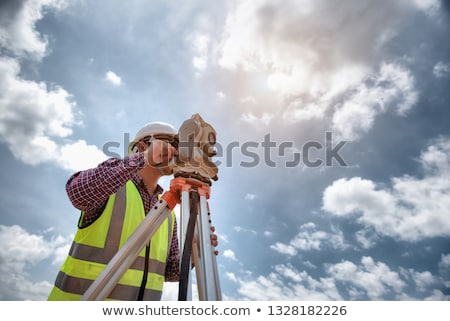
{"x": 437, "y": 295}
{"x": 17, "y": 27}
{"x": 366, "y": 238}
{"x": 80, "y": 156}
{"x": 244, "y": 230}
{"x": 229, "y": 254}
{"x": 392, "y": 87}
{"x": 441, "y": 69}
{"x": 428, "y": 6}
{"x": 199, "y": 63}
{"x": 231, "y": 276}
{"x": 263, "y": 34}
{"x": 221, "y": 95}
{"x": 223, "y": 238}
{"x": 445, "y": 262}
{"x": 268, "y": 233}
{"x": 200, "y": 46}
{"x": 113, "y": 78}
{"x": 309, "y": 238}
{"x": 251, "y": 118}
{"x": 34, "y": 120}
{"x": 284, "y": 249}
{"x": 374, "y": 278}
{"x": 286, "y": 283}
{"x": 289, "y": 272}
{"x": 20, "y": 251}
{"x": 250, "y": 197}
{"x": 345, "y": 280}
{"x": 333, "y": 55}
{"x": 423, "y": 280}
{"x": 412, "y": 209}
{"x": 444, "y": 269}
{"x": 31, "y": 113}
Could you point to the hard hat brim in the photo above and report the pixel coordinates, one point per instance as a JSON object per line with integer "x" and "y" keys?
{"x": 147, "y": 138}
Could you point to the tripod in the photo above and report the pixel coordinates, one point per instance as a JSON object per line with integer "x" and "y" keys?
{"x": 195, "y": 224}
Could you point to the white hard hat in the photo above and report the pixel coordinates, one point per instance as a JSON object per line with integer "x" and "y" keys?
{"x": 151, "y": 130}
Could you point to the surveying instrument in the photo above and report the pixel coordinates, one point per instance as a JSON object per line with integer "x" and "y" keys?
{"x": 193, "y": 171}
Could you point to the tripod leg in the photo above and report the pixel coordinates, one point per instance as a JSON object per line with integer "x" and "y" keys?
{"x": 218, "y": 292}
{"x": 205, "y": 259}
{"x": 127, "y": 254}
{"x": 184, "y": 220}
{"x": 185, "y": 268}
{"x": 199, "y": 264}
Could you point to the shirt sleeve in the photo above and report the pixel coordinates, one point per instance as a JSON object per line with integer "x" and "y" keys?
{"x": 173, "y": 259}
{"x": 89, "y": 190}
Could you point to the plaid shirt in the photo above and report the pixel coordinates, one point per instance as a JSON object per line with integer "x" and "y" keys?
{"x": 89, "y": 191}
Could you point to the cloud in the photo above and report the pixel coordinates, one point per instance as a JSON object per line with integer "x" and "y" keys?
{"x": 79, "y": 155}
{"x": 393, "y": 87}
{"x": 444, "y": 268}
{"x": 250, "y": 197}
{"x": 423, "y": 280}
{"x": 231, "y": 276}
{"x": 284, "y": 248}
{"x": 19, "y": 253}
{"x": 314, "y": 39}
{"x": 31, "y": 113}
{"x": 445, "y": 262}
{"x": 268, "y": 233}
{"x": 374, "y": 278}
{"x": 230, "y": 255}
{"x": 244, "y": 230}
{"x": 428, "y": 6}
{"x": 308, "y": 239}
{"x": 200, "y": 44}
{"x": 113, "y": 78}
{"x": 285, "y": 282}
{"x": 250, "y": 118}
{"x": 441, "y": 69}
{"x": 346, "y": 280}
{"x": 17, "y": 26}
{"x": 319, "y": 60}
{"x": 36, "y": 119}
{"x": 366, "y": 238}
{"x": 411, "y": 209}
{"x": 221, "y": 95}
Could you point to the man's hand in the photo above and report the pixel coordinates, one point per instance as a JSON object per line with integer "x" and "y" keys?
{"x": 159, "y": 153}
{"x": 214, "y": 239}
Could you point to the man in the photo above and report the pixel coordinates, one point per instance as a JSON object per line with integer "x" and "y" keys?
{"x": 114, "y": 198}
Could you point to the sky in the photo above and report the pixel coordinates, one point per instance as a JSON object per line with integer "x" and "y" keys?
{"x": 332, "y": 122}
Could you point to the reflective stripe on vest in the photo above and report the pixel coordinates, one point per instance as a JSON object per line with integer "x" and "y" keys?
{"x": 94, "y": 246}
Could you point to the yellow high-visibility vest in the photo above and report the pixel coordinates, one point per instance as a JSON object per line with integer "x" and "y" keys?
{"x": 95, "y": 245}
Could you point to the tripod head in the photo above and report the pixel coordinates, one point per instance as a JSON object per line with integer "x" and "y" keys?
{"x": 195, "y": 143}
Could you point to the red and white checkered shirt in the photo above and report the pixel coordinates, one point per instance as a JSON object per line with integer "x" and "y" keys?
{"x": 89, "y": 191}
